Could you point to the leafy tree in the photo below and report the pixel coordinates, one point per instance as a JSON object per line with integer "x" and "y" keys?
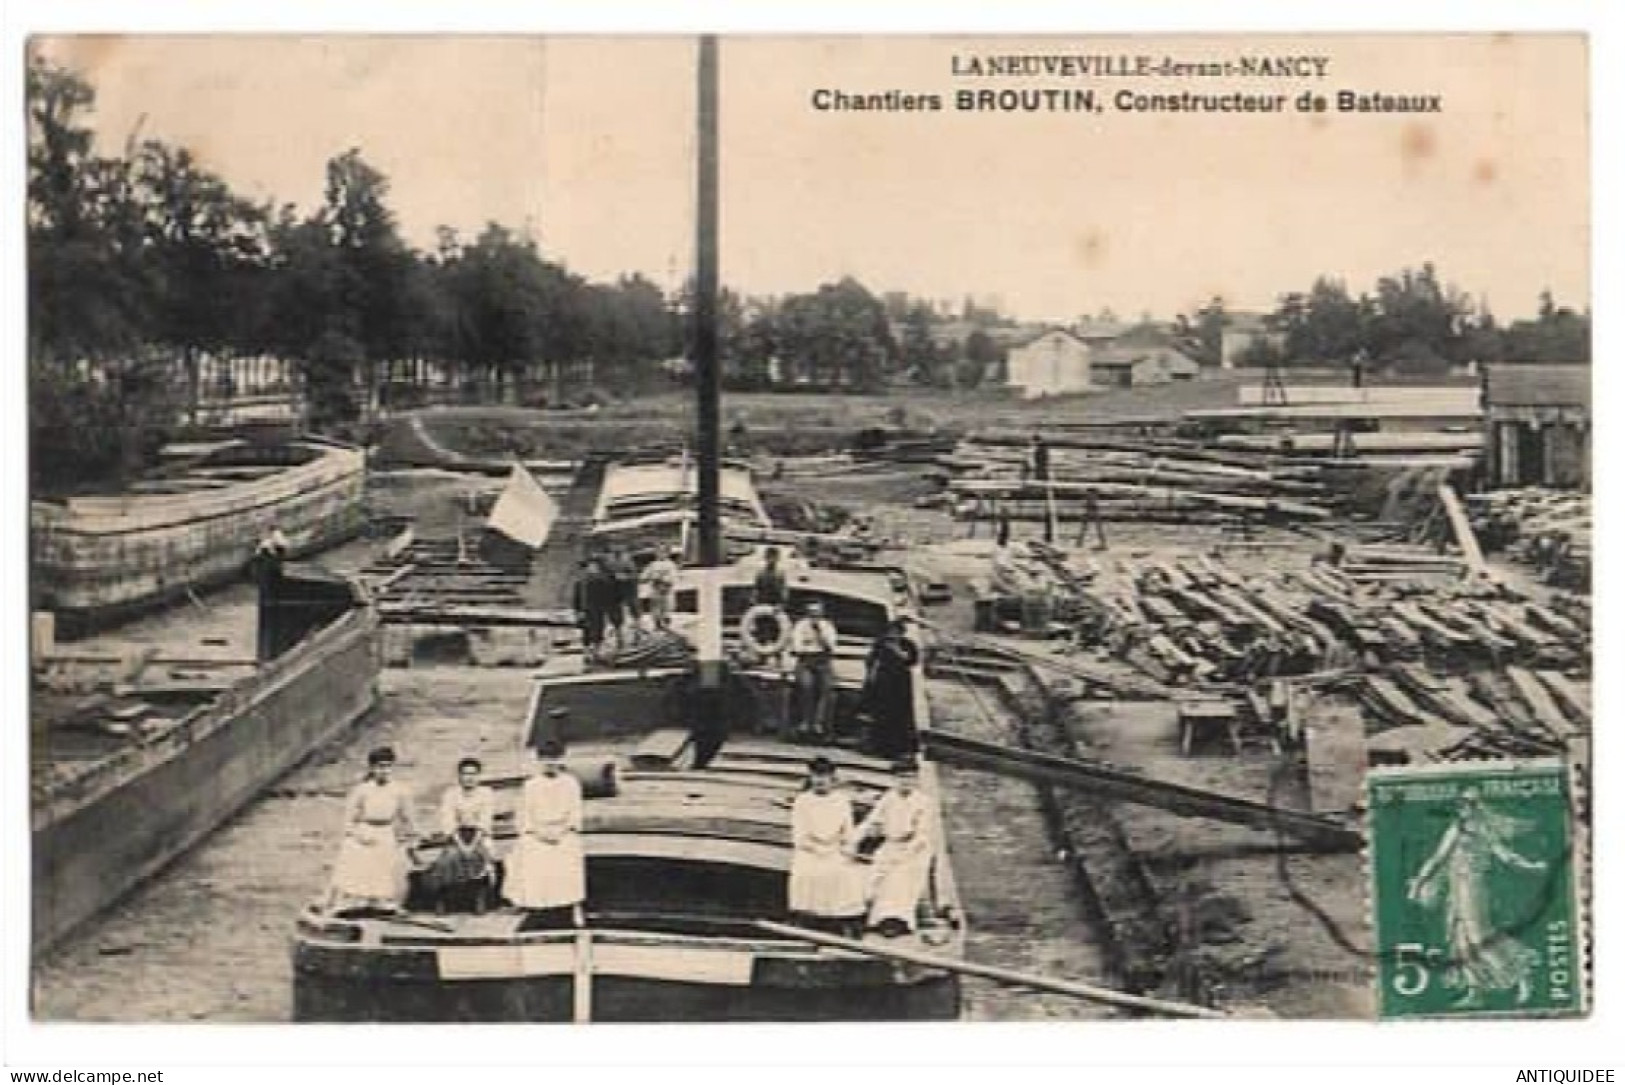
{"x": 837, "y": 337}
{"x": 98, "y": 401}
{"x": 1201, "y": 335}
{"x": 1416, "y": 322}
{"x": 919, "y": 354}
{"x": 206, "y": 247}
{"x": 1324, "y": 325}
{"x": 982, "y": 356}
{"x": 1557, "y": 334}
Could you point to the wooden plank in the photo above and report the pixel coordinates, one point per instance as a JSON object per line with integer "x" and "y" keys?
{"x": 1106, "y": 782}
{"x": 1546, "y": 712}
{"x": 1574, "y": 701}
{"x": 1463, "y": 531}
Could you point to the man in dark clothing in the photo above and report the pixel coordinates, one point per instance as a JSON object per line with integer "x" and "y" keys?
{"x": 624, "y": 573}
{"x": 594, "y": 591}
{"x": 1039, "y": 458}
{"x": 888, "y": 692}
{"x": 771, "y": 588}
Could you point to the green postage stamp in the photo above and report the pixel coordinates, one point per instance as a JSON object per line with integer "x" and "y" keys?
{"x": 1474, "y": 897}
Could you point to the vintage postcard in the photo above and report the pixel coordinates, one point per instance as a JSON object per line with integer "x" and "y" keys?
{"x": 543, "y": 528}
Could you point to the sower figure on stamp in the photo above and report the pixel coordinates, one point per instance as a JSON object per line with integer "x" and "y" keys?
{"x": 902, "y": 864}
{"x": 812, "y": 642}
{"x": 1459, "y": 878}
{"x": 463, "y": 877}
{"x": 888, "y": 692}
{"x": 826, "y": 881}
{"x": 547, "y": 870}
{"x": 371, "y": 868}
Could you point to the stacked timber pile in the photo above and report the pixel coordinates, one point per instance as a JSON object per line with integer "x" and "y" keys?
{"x": 1548, "y": 529}
{"x": 1445, "y": 666}
{"x": 1160, "y": 480}
{"x": 456, "y": 581}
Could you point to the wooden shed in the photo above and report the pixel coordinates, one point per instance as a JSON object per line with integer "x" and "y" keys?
{"x": 1537, "y": 425}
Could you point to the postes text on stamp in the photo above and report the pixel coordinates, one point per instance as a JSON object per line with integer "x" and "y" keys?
{"x": 1473, "y": 890}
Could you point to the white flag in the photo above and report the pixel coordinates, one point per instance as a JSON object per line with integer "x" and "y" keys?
{"x": 524, "y": 512}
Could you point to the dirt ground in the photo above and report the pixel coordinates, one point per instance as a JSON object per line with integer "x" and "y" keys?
{"x": 210, "y": 938}
{"x": 1285, "y": 932}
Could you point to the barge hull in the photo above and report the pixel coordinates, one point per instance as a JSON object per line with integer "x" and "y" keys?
{"x": 357, "y": 998}
{"x": 98, "y": 837}
{"x": 97, "y": 561}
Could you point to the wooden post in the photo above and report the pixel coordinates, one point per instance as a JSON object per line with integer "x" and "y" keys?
{"x": 582, "y": 1010}
{"x": 707, "y": 376}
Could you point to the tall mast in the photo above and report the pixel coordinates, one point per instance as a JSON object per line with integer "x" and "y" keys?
{"x": 707, "y": 377}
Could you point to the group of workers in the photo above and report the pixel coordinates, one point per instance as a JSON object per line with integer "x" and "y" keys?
{"x": 833, "y": 884}
{"x": 888, "y": 690}
{"x": 609, "y": 593}
{"x": 545, "y": 871}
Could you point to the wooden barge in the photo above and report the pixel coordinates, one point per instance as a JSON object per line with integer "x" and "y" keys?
{"x": 650, "y": 507}
{"x": 174, "y": 755}
{"x": 683, "y": 861}
{"x": 99, "y": 559}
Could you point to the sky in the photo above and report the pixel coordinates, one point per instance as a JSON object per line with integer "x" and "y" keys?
{"x": 589, "y": 143}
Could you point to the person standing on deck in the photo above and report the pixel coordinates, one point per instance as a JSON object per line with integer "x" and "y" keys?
{"x": 587, "y": 620}
{"x": 772, "y": 589}
{"x": 826, "y": 883}
{"x": 902, "y": 863}
{"x": 275, "y": 544}
{"x": 812, "y": 643}
{"x": 1038, "y": 459}
{"x": 371, "y": 868}
{"x": 625, "y": 576}
{"x": 594, "y": 593}
{"x": 463, "y": 877}
{"x": 660, "y": 575}
{"x": 888, "y": 692}
{"x": 547, "y": 870}
{"x": 607, "y": 586}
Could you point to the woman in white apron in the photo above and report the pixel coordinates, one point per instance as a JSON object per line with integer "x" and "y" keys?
{"x": 547, "y": 867}
{"x": 462, "y": 877}
{"x": 826, "y": 883}
{"x": 371, "y": 868}
{"x": 902, "y": 819}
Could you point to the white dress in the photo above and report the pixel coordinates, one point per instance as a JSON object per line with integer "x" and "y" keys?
{"x": 371, "y": 864}
{"x": 547, "y": 867}
{"x": 902, "y": 863}
{"x": 823, "y": 880}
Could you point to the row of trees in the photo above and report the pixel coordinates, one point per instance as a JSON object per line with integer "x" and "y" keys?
{"x": 144, "y": 263}
{"x": 141, "y": 263}
{"x": 1409, "y": 322}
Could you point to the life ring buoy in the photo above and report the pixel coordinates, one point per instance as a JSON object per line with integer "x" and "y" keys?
{"x": 750, "y": 624}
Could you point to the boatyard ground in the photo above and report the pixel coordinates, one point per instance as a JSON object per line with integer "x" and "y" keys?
{"x": 1238, "y": 918}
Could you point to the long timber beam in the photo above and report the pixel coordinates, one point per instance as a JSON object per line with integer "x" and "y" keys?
{"x": 1108, "y": 783}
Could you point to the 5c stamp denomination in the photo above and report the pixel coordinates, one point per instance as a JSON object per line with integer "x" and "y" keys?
{"x": 1473, "y": 890}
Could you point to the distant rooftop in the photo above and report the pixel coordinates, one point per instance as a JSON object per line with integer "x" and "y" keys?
{"x": 1522, "y": 385}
